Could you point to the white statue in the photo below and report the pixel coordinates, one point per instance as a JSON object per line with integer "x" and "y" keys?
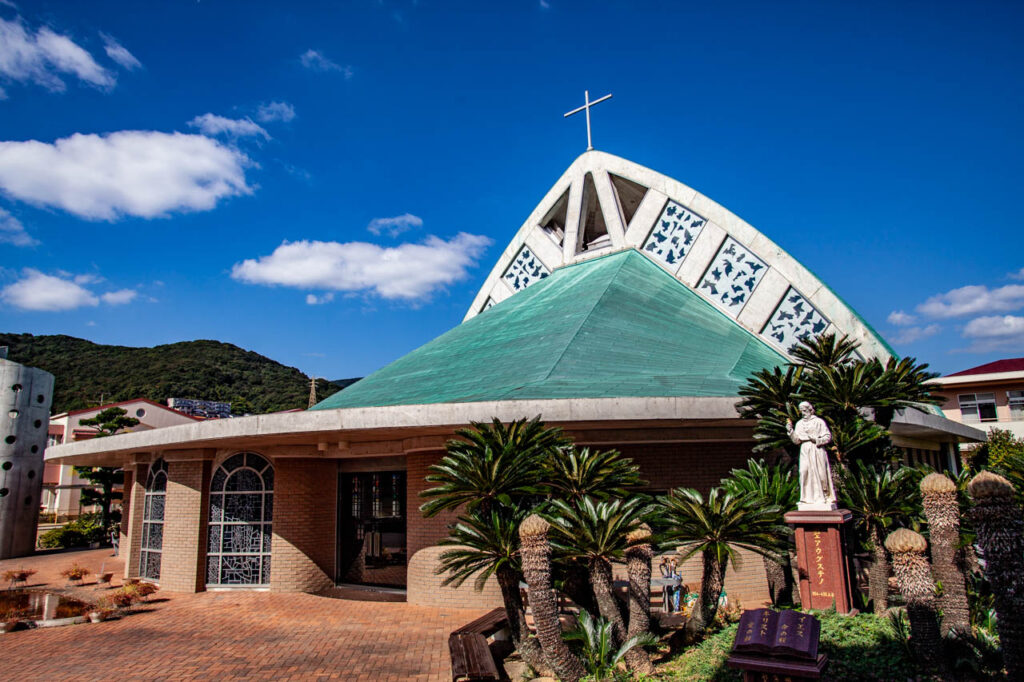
{"x": 811, "y": 434}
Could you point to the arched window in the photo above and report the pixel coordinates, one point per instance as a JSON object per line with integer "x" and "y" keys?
{"x": 241, "y": 510}
{"x": 153, "y": 521}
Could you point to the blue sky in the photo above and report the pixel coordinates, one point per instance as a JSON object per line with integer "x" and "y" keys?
{"x": 155, "y": 157}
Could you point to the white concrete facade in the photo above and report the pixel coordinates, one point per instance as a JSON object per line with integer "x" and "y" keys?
{"x": 778, "y": 293}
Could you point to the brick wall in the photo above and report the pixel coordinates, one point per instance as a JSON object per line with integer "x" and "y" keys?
{"x": 425, "y": 588}
{"x": 126, "y": 510}
{"x": 183, "y": 566}
{"x": 305, "y": 516}
{"x": 693, "y": 465}
{"x": 133, "y": 520}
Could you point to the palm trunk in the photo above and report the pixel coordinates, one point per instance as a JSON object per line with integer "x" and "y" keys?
{"x": 638, "y": 564}
{"x": 878, "y": 576}
{"x": 536, "y": 553}
{"x": 943, "y": 512}
{"x": 576, "y": 585}
{"x": 601, "y": 580}
{"x": 712, "y": 580}
{"x": 528, "y": 646}
{"x": 997, "y": 518}
{"x": 913, "y": 575}
{"x": 776, "y": 577}
{"x": 793, "y": 577}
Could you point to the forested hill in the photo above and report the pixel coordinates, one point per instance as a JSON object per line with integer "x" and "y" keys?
{"x": 206, "y": 370}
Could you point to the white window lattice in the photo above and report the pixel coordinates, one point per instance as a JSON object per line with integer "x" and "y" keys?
{"x": 241, "y": 519}
{"x": 978, "y": 407}
{"x": 151, "y": 554}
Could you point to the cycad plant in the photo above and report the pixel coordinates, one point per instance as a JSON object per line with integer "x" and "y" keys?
{"x": 639, "y": 555}
{"x": 596, "y": 532}
{"x": 938, "y": 493}
{"x": 774, "y": 486}
{"x": 536, "y": 550}
{"x": 914, "y": 578}
{"x": 597, "y": 648}
{"x": 878, "y": 496}
{"x": 485, "y": 545}
{"x": 491, "y": 464}
{"x": 717, "y": 527}
{"x": 997, "y": 519}
{"x": 571, "y": 473}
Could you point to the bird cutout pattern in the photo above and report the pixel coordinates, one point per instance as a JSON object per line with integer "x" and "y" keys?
{"x": 673, "y": 234}
{"x": 488, "y": 304}
{"x": 732, "y": 276}
{"x": 525, "y": 269}
{"x": 794, "y": 319}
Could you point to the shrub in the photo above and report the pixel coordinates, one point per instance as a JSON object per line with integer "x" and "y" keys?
{"x": 862, "y": 647}
{"x": 75, "y": 572}
{"x": 81, "y": 532}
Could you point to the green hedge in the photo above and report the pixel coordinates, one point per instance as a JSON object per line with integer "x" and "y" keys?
{"x": 81, "y": 532}
{"x": 862, "y": 647}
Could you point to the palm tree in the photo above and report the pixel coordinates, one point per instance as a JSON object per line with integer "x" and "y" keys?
{"x": 488, "y": 545}
{"x": 997, "y": 518}
{"x": 717, "y": 527}
{"x": 491, "y": 464}
{"x": 597, "y": 648}
{"x": 914, "y": 577}
{"x": 597, "y": 533}
{"x": 639, "y": 554}
{"x": 941, "y": 508}
{"x": 536, "y": 549}
{"x": 570, "y": 474}
{"x": 878, "y": 496}
{"x": 774, "y": 486}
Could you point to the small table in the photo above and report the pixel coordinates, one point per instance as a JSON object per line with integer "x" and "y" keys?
{"x": 664, "y": 584}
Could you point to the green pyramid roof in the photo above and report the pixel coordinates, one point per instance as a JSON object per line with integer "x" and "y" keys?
{"x": 613, "y": 327}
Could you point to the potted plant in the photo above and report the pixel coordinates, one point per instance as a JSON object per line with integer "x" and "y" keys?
{"x": 124, "y": 597}
{"x": 143, "y": 590}
{"x": 20, "y": 575}
{"x": 103, "y": 611}
{"x": 75, "y": 573}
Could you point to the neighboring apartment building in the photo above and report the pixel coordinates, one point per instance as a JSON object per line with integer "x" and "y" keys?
{"x": 62, "y": 489}
{"x": 988, "y": 396}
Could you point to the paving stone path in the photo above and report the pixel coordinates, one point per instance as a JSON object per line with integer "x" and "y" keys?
{"x": 253, "y": 635}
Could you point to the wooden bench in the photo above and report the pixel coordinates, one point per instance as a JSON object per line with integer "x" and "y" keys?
{"x": 472, "y": 660}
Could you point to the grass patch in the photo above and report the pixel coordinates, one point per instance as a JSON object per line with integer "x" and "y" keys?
{"x": 862, "y": 647}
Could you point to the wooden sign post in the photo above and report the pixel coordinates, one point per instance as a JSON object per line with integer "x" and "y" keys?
{"x": 823, "y": 559}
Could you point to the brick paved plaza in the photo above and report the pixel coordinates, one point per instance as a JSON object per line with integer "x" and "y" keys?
{"x": 256, "y": 635}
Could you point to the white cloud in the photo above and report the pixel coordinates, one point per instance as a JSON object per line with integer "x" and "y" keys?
{"x": 1017, "y": 275}
{"x": 36, "y": 291}
{"x": 912, "y": 334}
{"x": 43, "y": 57}
{"x": 316, "y": 61}
{"x": 13, "y": 232}
{"x": 119, "y": 297}
{"x": 973, "y": 300}
{"x": 120, "y": 54}
{"x": 131, "y": 172}
{"x": 900, "y": 318}
{"x": 544, "y": 4}
{"x": 313, "y": 299}
{"x": 995, "y": 326}
{"x": 394, "y": 226}
{"x": 275, "y": 111}
{"x": 61, "y": 291}
{"x": 212, "y": 124}
{"x": 407, "y": 271}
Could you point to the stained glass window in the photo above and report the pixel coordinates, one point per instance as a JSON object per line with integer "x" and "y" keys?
{"x": 153, "y": 521}
{"x": 241, "y": 505}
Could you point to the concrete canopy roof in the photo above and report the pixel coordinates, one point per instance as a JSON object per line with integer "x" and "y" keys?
{"x": 613, "y": 327}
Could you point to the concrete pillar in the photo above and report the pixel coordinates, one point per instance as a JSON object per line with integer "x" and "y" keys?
{"x": 132, "y": 520}
{"x": 25, "y": 397}
{"x": 183, "y": 567}
{"x": 305, "y": 520}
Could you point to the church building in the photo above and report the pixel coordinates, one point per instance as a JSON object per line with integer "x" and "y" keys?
{"x": 628, "y": 310}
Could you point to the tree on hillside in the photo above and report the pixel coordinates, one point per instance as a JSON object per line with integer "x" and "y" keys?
{"x": 107, "y": 423}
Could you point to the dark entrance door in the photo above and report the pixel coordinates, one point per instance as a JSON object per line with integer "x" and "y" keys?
{"x": 371, "y": 528}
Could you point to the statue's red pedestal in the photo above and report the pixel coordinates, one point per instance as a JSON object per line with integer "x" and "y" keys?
{"x": 823, "y": 558}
